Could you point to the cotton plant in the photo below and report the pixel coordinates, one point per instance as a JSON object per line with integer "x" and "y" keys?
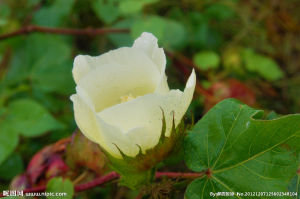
{"x": 124, "y": 104}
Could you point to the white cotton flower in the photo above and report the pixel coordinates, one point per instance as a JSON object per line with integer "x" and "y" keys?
{"x": 120, "y": 94}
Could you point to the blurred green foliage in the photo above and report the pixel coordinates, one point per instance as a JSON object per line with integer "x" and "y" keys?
{"x": 53, "y": 14}
{"x": 256, "y": 42}
{"x": 11, "y": 167}
{"x": 207, "y": 59}
{"x": 60, "y": 185}
{"x": 264, "y": 66}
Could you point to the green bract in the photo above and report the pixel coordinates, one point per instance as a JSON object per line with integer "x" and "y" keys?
{"x": 139, "y": 170}
{"x": 240, "y": 152}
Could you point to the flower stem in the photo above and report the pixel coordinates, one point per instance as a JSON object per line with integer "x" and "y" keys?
{"x": 179, "y": 175}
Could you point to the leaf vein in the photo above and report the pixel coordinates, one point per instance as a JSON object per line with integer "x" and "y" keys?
{"x": 204, "y": 188}
{"x": 257, "y": 174}
{"x": 224, "y": 185}
{"x": 254, "y": 156}
{"x": 232, "y": 126}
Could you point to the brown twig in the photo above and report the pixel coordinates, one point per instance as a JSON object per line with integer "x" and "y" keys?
{"x": 113, "y": 176}
{"x": 63, "y": 31}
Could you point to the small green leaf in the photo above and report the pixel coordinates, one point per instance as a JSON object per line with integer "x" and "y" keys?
{"x": 206, "y": 60}
{"x": 30, "y": 118}
{"x": 263, "y": 65}
{"x": 242, "y": 152}
{"x": 60, "y": 186}
{"x": 106, "y": 10}
{"x": 169, "y": 32}
{"x": 128, "y": 7}
{"x": 153, "y": 24}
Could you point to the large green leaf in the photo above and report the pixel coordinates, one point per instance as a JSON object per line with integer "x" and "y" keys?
{"x": 60, "y": 186}
{"x": 30, "y": 118}
{"x": 241, "y": 152}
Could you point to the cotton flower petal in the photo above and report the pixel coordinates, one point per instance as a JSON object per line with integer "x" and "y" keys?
{"x": 147, "y": 43}
{"x": 81, "y": 66}
{"x": 114, "y": 140}
{"x": 162, "y": 86}
{"x": 121, "y": 72}
{"x": 85, "y": 118}
{"x": 146, "y": 112}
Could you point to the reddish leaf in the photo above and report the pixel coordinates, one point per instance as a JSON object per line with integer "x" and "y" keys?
{"x": 80, "y": 153}
{"x": 37, "y": 165}
{"x": 46, "y": 160}
{"x": 57, "y": 167}
{"x": 231, "y": 88}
